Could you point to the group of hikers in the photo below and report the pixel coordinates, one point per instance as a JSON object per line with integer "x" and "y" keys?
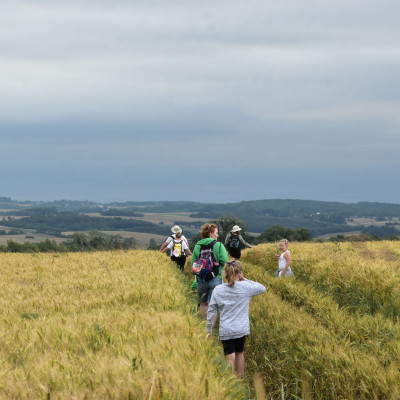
{"x": 231, "y": 300}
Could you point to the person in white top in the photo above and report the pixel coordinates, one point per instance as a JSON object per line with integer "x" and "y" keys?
{"x": 232, "y": 301}
{"x": 284, "y": 259}
{"x": 179, "y": 250}
{"x": 175, "y": 229}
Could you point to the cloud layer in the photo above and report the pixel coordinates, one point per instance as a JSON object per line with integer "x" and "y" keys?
{"x": 141, "y": 100}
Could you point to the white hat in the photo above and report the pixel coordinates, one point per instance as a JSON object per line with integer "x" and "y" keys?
{"x": 236, "y": 228}
{"x": 176, "y": 229}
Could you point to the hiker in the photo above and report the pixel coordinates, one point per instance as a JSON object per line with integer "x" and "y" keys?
{"x": 284, "y": 259}
{"x": 232, "y": 300}
{"x": 175, "y": 229}
{"x": 233, "y": 240}
{"x": 209, "y": 233}
{"x": 179, "y": 250}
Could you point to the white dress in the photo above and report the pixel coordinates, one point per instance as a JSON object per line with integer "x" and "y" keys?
{"x": 282, "y": 265}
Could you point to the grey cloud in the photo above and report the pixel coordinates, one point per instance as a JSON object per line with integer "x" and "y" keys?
{"x": 303, "y": 89}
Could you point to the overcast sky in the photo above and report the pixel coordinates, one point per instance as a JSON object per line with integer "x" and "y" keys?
{"x": 211, "y": 101}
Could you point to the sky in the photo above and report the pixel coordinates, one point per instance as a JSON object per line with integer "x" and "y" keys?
{"x": 209, "y": 101}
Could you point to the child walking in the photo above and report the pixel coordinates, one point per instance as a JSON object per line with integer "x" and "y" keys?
{"x": 284, "y": 259}
{"x": 232, "y": 300}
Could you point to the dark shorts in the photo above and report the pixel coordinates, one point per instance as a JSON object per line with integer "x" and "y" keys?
{"x": 181, "y": 261}
{"x": 233, "y": 345}
{"x": 235, "y": 253}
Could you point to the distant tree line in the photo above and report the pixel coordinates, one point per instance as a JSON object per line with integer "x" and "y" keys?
{"x": 11, "y": 232}
{"x": 277, "y": 232}
{"x": 298, "y": 217}
{"x": 192, "y": 224}
{"x": 381, "y": 231}
{"x": 115, "y": 212}
{"x": 93, "y": 241}
{"x": 54, "y": 224}
{"x": 363, "y": 237}
{"x": 272, "y": 234}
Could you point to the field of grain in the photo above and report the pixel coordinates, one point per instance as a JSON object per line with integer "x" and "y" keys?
{"x": 333, "y": 332}
{"x": 106, "y": 325}
{"x": 123, "y": 325}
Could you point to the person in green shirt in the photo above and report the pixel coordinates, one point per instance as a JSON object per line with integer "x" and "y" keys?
{"x": 209, "y": 233}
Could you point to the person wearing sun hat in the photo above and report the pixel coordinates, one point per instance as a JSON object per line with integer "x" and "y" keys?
{"x": 179, "y": 250}
{"x": 175, "y": 229}
{"x": 233, "y": 242}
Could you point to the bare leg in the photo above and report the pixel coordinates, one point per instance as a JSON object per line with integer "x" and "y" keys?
{"x": 230, "y": 358}
{"x": 203, "y": 310}
{"x": 203, "y": 313}
{"x": 239, "y": 364}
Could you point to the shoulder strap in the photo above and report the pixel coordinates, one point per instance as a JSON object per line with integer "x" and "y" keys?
{"x": 209, "y": 245}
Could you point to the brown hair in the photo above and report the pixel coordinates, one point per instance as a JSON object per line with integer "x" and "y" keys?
{"x": 178, "y": 235}
{"x": 207, "y": 230}
{"x": 232, "y": 270}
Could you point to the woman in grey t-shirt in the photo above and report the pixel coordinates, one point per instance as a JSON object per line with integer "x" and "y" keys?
{"x": 232, "y": 300}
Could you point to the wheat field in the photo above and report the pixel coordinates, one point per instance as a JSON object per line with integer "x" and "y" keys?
{"x": 124, "y": 325}
{"x": 106, "y": 325}
{"x": 332, "y": 332}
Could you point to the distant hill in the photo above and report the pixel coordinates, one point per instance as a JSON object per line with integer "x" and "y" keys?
{"x": 319, "y": 217}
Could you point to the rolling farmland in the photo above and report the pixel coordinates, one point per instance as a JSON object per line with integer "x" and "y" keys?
{"x": 123, "y": 324}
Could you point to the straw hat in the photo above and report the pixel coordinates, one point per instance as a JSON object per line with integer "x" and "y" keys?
{"x": 236, "y": 228}
{"x": 176, "y": 229}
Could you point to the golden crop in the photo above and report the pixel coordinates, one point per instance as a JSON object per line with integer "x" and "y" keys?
{"x": 332, "y": 332}
{"x": 106, "y": 325}
{"x": 122, "y": 325}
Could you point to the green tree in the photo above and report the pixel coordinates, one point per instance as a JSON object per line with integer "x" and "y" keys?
{"x": 97, "y": 240}
{"x": 227, "y": 222}
{"x": 153, "y": 244}
{"x": 48, "y": 246}
{"x": 278, "y": 232}
{"x": 130, "y": 243}
{"x": 78, "y": 242}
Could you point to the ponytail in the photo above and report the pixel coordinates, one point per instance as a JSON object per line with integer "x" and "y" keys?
{"x": 232, "y": 270}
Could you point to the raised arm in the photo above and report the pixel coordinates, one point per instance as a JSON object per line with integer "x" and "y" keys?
{"x": 244, "y": 243}
{"x": 255, "y": 288}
